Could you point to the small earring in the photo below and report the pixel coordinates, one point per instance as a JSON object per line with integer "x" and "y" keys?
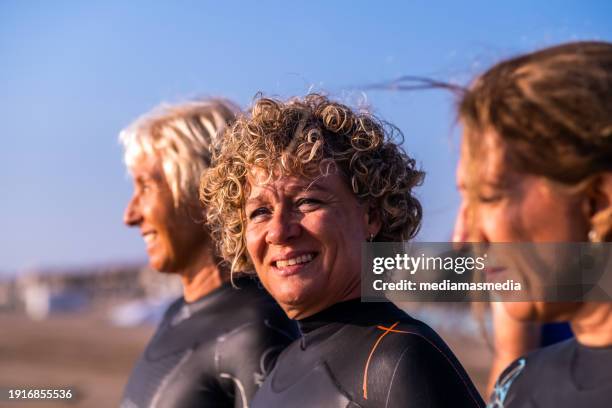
{"x": 371, "y": 237}
{"x": 594, "y": 236}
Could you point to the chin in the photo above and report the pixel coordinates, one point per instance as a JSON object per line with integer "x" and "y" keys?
{"x": 288, "y": 296}
{"x": 294, "y": 301}
{"x": 161, "y": 265}
{"x": 523, "y": 311}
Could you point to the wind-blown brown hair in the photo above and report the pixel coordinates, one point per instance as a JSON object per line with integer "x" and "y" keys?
{"x": 309, "y": 137}
{"x": 552, "y": 109}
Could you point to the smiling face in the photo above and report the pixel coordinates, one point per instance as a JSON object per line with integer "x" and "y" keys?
{"x": 173, "y": 238}
{"x": 500, "y": 204}
{"x": 304, "y": 238}
{"x": 510, "y": 206}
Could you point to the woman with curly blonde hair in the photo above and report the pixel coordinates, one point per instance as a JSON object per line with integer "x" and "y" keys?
{"x": 296, "y": 189}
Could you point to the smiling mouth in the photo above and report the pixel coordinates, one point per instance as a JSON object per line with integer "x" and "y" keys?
{"x": 298, "y": 260}
{"x": 149, "y": 237}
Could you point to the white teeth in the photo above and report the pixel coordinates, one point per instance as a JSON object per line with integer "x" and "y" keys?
{"x": 293, "y": 261}
{"x": 149, "y": 237}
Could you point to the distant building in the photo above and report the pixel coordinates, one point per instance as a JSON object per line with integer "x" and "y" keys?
{"x": 8, "y": 295}
{"x": 41, "y": 292}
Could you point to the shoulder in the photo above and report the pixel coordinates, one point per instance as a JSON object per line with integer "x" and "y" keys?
{"x": 165, "y": 318}
{"x": 250, "y": 301}
{"x": 412, "y": 337}
{"x": 173, "y": 308}
{"x": 415, "y": 363}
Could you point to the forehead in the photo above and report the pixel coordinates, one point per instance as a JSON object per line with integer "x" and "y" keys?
{"x": 146, "y": 166}
{"x": 260, "y": 184}
{"x": 483, "y": 158}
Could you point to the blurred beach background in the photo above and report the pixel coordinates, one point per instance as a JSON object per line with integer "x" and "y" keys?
{"x": 77, "y": 300}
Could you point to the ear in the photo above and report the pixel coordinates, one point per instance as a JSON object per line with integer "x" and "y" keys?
{"x": 373, "y": 221}
{"x": 600, "y": 214}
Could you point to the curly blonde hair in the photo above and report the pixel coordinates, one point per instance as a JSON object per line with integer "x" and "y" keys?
{"x": 306, "y": 137}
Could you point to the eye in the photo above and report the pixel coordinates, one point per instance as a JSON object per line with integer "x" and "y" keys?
{"x": 258, "y": 213}
{"x": 490, "y": 198}
{"x": 308, "y": 203}
{"x": 145, "y": 185}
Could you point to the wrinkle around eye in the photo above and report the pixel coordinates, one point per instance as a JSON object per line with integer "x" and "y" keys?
{"x": 308, "y": 204}
{"x": 258, "y": 214}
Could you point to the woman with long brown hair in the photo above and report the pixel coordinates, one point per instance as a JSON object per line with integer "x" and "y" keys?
{"x": 536, "y": 166}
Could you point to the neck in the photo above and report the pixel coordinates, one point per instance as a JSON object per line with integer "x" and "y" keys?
{"x": 202, "y": 276}
{"x": 592, "y": 325}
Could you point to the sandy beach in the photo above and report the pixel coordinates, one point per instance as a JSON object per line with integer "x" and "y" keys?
{"x": 82, "y": 352}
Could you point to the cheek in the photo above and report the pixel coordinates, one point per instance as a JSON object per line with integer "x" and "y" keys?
{"x": 547, "y": 216}
{"x": 498, "y": 222}
{"x": 521, "y": 311}
{"x": 156, "y": 210}
{"x": 335, "y": 229}
{"x": 341, "y": 236}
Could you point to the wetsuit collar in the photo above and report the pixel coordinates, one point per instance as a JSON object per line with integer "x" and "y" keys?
{"x": 323, "y": 324}
{"x": 335, "y": 313}
{"x": 188, "y": 309}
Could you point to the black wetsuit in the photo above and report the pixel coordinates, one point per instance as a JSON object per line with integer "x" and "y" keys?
{"x": 564, "y": 375}
{"x": 357, "y": 354}
{"x": 213, "y": 352}
{"x": 552, "y": 333}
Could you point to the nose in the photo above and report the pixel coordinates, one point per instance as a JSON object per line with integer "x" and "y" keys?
{"x": 468, "y": 225}
{"x": 283, "y": 227}
{"x": 132, "y": 215}
{"x": 460, "y": 231}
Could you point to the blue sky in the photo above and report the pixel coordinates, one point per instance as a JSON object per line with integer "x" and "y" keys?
{"x": 72, "y": 74}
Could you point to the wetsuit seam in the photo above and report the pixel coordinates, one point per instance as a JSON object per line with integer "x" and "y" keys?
{"x": 164, "y": 382}
{"x": 222, "y": 338}
{"x": 303, "y": 337}
{"x": 239, "y": 386}
{"x": 335, "y": 381}
{"x": 269, "y": 325}
{"x": 260, "y": 378}
{"x": 393, "y": 375}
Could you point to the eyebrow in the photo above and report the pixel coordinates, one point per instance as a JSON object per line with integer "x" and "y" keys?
{"x": 299, "y": 188}
{"x": 253, "y": 200}
{"x": 315, "y": 185}
{"x": 146, "y": 178}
